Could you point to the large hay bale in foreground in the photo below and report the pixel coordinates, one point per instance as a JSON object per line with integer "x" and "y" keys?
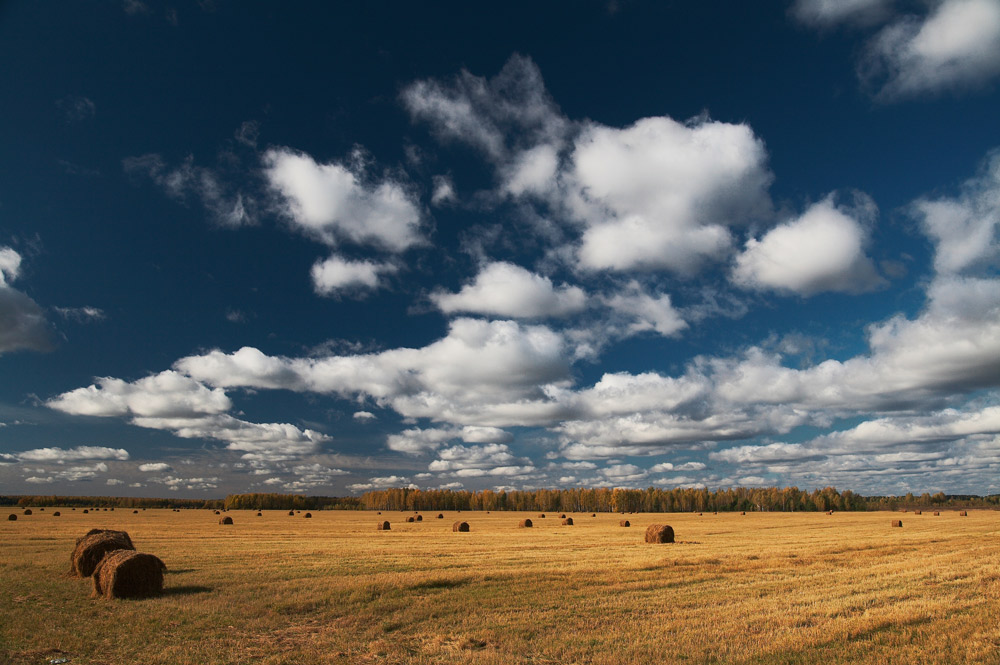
{"x": 128, "y": 574}
{"x": 383, "y": 526}
{"x": 27, "y": 511}
{"x": 92, "y": 546}
{"x": 525, "y": 524}
{"x": 898, "y": 523}
{"x": 226, "y": 520}
{"x": 568, "y": 521}
{"x": 460, "y": 526}
{"x": 659, "y": 533}
{"x": 624, "y": 523}
{"x": 12, "y": 517}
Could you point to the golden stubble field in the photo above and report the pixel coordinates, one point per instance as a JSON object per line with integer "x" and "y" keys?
{"x": 759, "y": 588}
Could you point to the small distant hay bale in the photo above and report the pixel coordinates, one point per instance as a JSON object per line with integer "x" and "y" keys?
{"x": 936, "y": 513}
{"x": 260, "y": 514}
{"x": 307, "y": 516}
{"x": 111, "y": 509}
{"x": 898, "y": 523}
{"x": 659, "y": 533}
{"x": 542, "y": 516}
{"x": 27, "y": 511}
{"x": 420, "y": 518}
{"x": 829, "y": 512}
{"x": 292, "y": 513}
{"x": 411, "y": 518}
{"x": 12, "y": 517}
{"x": 568, "y": 521}
{"x": 743, "y": 512}
{"x": 379, "y": 512}
{"x": 226, "y": 520}
{"x": 918, "y": 512}
{"x": 624, "y": 523}
{"x": 41, "y": 510}
{"x": 699, "y": 514}
{"x": 135, "y": 512}
{"x": 85, "y": 511}
{"x": 525, "y": 524}
{"x": 593, "y": 514}
{"x": 128, "y": 574}
{"x": 440, "y": 516}
{"x": 92, "y": 546}
{"x": 963, "y": 513}
{"x": 460, "y": 527}
{"x": 56, "y": 514}
{"x": 563, "y": 516}
{"x": 383, "y": 526}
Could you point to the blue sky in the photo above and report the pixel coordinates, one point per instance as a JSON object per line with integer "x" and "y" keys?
{"x": 324, "y": 249}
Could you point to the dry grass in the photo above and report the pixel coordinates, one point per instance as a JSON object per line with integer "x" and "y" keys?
{"x": 761, "y": 588}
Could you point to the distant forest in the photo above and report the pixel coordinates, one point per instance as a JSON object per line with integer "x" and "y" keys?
{"x": 652, "y": 500}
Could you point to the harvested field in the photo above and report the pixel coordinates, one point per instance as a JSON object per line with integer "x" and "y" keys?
{"x": 279, "y": 592}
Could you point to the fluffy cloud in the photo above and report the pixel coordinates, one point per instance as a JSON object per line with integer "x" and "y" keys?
{"x": 337, "y": 274}
{"x": 504, "y": 289}
{"x": 827, "y": 13}
{"x": 482, "y": 373}
{"x": 965, "y": 229}
{"x": 164, "y": 395}
{"x": 475, "y": 461}
{"x": 661, "y": 194}
{"x": 154, "y": 466}
{"x": 334, "y": 203}
{"x": 645, "y": 312}
{"x": 501, "y": 116}
{"x": 72, "y": 454}
{"x": 22, "y": 322}
{"x": 823, "y": 250}
{"x": 227, "y": 207}
{"x": 956, "y": 46}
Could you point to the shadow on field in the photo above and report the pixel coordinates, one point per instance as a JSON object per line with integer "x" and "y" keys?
{"x": 186, "y": 590}
{"x": 178, "y": 571}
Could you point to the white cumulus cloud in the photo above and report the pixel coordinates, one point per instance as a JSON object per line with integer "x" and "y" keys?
{"x": 504, "y": 289}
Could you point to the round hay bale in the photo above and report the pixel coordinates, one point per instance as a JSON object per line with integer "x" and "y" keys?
{"x": 411, "y": 518}
{"x": 41, "y": 510}
{"x": 563, "y": 516}
{"x": 963, "y": 513}
{"x": 292, "y": 513}
{"x": 440, "y": 516}
{"x": 743, "y": 512}
{"x": 260, "y": 514}
{"x": 936, "y": 513}
{"x": 898, "y": 523}
{"x": 460, "y": 526}
{"x": 379, "y": 512}
{"x": 128, "y": 574}
{"x": 111, "y": 509}
{"x": 593, "y": 514}
{"x": 226, "y": 520}
{"x": 525, "y": 524}
{"x": 85, "y": 511}
{"x": 217, "y": 512}
{"x": 12, "y": 517}
{"x": 659, "y": 533}
{"x": 27, "y": 511}
{"x": 568, "y": 521}
{"x": 918, "y": 512}
{"x": 92, "y": 546}
{"x": 542, "y": 516}
{"x": 56, "y": 514}
{"x": 307, "y": 516}
{"x": 624, "y": 523}
{"x": 420, "y": 518}
{"x": 383, "y": 526}
{"x": 135, "y": 512}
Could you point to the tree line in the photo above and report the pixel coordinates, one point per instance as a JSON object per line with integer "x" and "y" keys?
{"x": 604, "y": 499}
